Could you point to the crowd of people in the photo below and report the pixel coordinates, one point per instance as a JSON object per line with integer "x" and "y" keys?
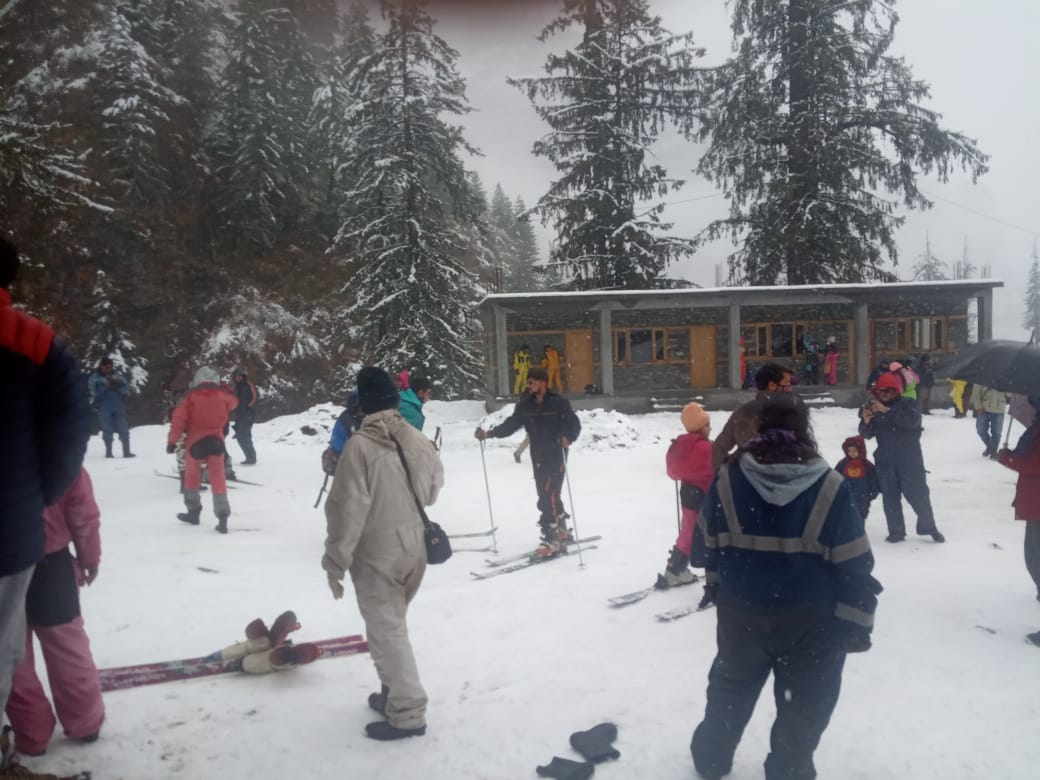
{"x": 779, "y": 533}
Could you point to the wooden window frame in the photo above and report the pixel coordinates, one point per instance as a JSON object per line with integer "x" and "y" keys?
{"x": 659, "y": 337}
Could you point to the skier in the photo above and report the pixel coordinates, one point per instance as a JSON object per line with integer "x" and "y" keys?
{"x": 689, "y": 461}
{"x": 203, "y": 416}
{"x": 107, "y": 391}
{"x": 53, "y": 611}
{"x": 245, "y": 391}
{"x": 375, "y": 532}
{"x": 789, "y": 568}
{"x": 46, "y": 427}
{"x": 552, "y": 426}
{"x": 418, "y": 392}
{"x": 1025, "y": 459}
{"x": 860, "y": 473}
{"x": 896, "y": 422}
{"x": 551, "y": 364}
{"x": 521, "y": 364}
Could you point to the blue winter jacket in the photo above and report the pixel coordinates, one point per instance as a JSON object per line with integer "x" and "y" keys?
{"x": 768, "y": 549}
{"x": 105, "y": 397}
{"x": 898, "y": 434}
{"x": 410, "y": 408}
{"x": 43, "y": 402}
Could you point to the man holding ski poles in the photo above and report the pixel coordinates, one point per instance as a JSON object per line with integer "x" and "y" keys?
{"x": 552, "y": 425}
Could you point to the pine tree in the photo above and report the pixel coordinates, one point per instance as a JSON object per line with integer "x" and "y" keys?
{"x": 502, "y": 239}
{"x": 108, "y": 339}
{"x": 524, "y": 275}
{"x": 1032, "y": 318}
{"x": 928, "y": 267}
{"x": 260, "y": 139}
{"x": 414, "y": 298}
{"x": 812, "y": 123}
{"x": 606, "y": 101}
{"x": 964, "y": 269}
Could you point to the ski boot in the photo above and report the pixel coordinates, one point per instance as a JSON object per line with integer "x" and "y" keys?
{"x": 550, "y": 546}
{"x": 677, "y": 571}
{"x": 191, "y": 517}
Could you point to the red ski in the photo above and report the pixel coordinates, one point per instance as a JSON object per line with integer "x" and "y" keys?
{"x": 120, "y": 677}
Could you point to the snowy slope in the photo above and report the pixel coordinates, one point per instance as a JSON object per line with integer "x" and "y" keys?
{"x": 514, "y": 664}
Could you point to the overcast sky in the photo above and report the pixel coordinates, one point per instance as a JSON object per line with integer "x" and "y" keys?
{"x": 981, "y": 59}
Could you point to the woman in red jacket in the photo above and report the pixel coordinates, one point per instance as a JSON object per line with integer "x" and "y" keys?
{"x": 689, "y": 462}
{"x": 1025, "y": 459}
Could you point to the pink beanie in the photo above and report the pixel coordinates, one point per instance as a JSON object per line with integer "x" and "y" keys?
{"x": 694, "y": 418}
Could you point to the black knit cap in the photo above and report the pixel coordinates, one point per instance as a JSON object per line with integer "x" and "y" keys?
{"x": 376, "y": 390}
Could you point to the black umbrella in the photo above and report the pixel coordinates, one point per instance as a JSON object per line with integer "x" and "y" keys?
{"x": 1009, "y": 366}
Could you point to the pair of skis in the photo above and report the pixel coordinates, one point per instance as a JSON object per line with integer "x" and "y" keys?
{"x": 665, "y": 617}
{"x": 512, "y": 563}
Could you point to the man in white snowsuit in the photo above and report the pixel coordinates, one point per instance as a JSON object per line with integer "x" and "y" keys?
{"x": 376, "y": 533}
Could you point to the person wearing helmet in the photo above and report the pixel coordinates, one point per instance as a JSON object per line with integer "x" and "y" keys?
{"x": 245, "y": 391}
{"x": 202, "y": 416}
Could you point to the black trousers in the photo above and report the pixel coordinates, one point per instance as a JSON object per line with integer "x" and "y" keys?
{"x": 244, "y": 435}
{"x": 799, "y": 648}
{"x": 548, "y": 481}
{"x": 905, "y": 479}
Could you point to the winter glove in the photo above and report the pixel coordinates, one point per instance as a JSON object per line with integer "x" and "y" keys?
{"x": 852, "y": 638}
{"x": 565, "y": 769}
{"x": 336, "y": 587}
{"x": 594, "y": 744}
{"x": 711, "y": 596}
{"x": 329, "y": 459}
{"x": 171, "y": 448}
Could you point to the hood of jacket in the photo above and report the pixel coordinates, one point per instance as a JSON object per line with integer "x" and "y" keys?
{"x": 781, "y": 483}
{"x": 855, "y": 441}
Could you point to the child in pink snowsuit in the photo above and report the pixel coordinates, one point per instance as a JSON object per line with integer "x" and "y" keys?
{"x": 53, "y": 611}
{"x": 689, "y": 462}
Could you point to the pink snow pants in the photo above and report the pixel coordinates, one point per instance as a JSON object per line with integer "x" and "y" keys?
{"x": 685, "y": 539}
{"x": 74, "y": 683}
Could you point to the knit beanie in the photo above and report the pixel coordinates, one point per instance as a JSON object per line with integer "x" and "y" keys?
{"x": 889, "y": 380}
{"x": 376, "y": 390}
{"x": 206, "y": 375}
{"x": 694, "y": 418}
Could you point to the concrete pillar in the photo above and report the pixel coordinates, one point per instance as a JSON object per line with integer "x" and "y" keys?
{"x": 501, "y": 353}
{"x": 985, "y": 315}
{"x": 606, "y": 352}
{"x": 861, "y": 344}
{"x": 735, "y": 379}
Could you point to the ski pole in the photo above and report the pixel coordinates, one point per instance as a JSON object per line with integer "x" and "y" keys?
{"x": 574, "y": 511}
{"x": 321, "y": 492}
{"x": 487, "y": 488}
{"x": 678, "y": 507}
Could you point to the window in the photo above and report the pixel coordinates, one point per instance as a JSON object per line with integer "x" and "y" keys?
{"x": 938, "y": 331}
{"x": 780, "y": 335}
{"x": 641, "y": 345}
{"x": 761, "y": 342}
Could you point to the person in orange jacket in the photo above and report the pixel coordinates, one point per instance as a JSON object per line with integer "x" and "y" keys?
{"x": 203, "y": 415}
{"x": 551, "y": 363}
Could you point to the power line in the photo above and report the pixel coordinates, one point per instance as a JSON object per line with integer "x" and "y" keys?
{"x": 984, "y": 215}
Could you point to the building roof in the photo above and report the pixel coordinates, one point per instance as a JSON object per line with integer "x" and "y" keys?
{"x": 749, "y": 296}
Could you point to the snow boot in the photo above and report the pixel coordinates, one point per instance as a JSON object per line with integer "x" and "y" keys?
{"x": 191, "y": 517}
{"x": 283, "y": 625}
{"x": 377, "y": 701}
{"x": 594, "y": 744}
{"x": 565, "y": 769}
{"x": 126, "y": 449}
{"x": 108, "y": 450}
{"x": 676, "y": 572}
{"x": 289, "y": 656}
{"x": 385, "y": 731}
{"x": 222, "y": 522}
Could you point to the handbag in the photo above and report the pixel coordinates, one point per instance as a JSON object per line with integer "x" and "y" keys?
{"x": 438, "y": 548}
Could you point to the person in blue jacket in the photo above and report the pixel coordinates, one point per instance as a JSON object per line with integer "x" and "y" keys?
{"x": 418, "y": 392}
{"x": 107, "y": 391}
{"x": 895, "y": 421}
{"x": 348, "y": 422}
{"x": 43, "y": 402}
{"x": 789, "y": 568}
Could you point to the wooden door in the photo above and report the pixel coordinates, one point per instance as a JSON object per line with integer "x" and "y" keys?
{"x": 577, "y": 360}
{"x": 703, "y": 366}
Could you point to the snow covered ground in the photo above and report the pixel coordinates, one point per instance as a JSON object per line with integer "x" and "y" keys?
{"x": 514, "y": 664}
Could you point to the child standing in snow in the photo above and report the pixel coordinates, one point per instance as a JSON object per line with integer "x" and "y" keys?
{"x": 689, "y": 462}
{"x": 860, "y": 473}
{"x": 52, "y": 604}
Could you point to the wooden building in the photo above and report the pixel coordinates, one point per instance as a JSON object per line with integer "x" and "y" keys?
{"x": 646, "y": 341}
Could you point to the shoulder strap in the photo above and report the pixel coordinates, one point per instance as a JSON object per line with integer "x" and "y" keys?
{"x": 408, "y": 479}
